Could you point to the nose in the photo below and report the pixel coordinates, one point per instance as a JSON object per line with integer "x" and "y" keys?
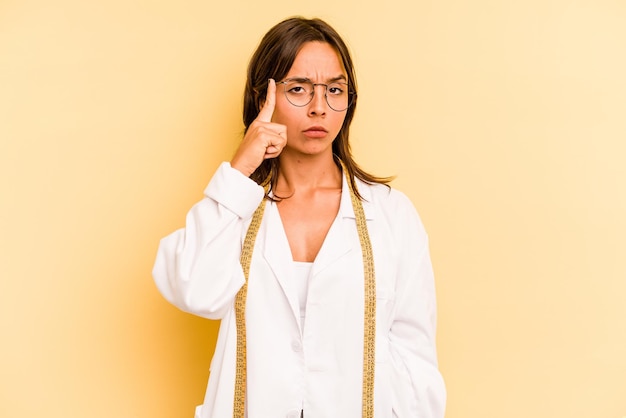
{"x": 318, "y": 105}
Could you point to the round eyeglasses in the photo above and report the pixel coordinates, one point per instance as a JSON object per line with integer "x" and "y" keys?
{"x": 300, "y": 92}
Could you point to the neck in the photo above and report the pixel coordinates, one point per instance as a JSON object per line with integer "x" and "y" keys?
{"x": 307, "y": 172}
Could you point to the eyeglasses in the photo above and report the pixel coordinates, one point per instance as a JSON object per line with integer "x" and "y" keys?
{"x": 300, "y": 92}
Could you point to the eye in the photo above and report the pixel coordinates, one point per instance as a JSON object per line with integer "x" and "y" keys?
{"x": 337, "y": 89}
{"x": 298, "y": 88}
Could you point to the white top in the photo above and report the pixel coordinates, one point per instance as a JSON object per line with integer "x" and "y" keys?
{"x": 302, "y": 272}
{"x": 320, "y": 369}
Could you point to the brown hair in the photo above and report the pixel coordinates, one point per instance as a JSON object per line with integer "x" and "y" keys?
{"x": 273, "y": 58}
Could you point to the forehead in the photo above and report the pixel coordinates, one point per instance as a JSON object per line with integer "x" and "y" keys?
{"x": 317, "y": 61}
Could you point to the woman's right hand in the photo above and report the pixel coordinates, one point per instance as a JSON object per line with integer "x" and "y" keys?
{"x": 264, "y": 139}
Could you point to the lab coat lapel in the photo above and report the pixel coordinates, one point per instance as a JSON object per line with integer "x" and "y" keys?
{"x": 342, "y": 236}
{"x": 278, "y": 255}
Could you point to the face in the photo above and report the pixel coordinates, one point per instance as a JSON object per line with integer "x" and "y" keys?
{"x": 312, "y": 128}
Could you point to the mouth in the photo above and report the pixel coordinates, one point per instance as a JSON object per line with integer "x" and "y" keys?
{"x": 315, "y": 132}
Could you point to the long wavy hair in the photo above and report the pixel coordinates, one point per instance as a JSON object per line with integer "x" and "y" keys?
{"x": 273, "y": 58}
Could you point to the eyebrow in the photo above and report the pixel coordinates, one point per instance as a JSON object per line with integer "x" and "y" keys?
{"x": 330, "y": 80}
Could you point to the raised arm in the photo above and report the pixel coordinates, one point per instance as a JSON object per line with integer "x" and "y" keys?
{"x": 197, "y": 267}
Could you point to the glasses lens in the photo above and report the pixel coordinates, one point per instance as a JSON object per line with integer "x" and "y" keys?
{"x": 337, "y": 96}
{"x": 299, "y": 93}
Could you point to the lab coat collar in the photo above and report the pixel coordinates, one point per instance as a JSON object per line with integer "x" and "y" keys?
{"x": 345, "y": 208}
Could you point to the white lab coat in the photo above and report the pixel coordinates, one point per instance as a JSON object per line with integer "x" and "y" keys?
{"x": 319, "y": 369}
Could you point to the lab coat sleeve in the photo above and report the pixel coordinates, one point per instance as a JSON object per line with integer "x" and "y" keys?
{"x": 197, "y": 267}
{"x": 412, "y": 334}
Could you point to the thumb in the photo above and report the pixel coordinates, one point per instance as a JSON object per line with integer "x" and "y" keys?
{"x": 265, "y": 115}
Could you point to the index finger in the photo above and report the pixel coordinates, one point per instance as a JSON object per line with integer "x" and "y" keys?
{"x": 265, "y": 115}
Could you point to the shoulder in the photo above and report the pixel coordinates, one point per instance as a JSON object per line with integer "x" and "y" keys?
{"x": 391, "y": 204}
{"x": 385, "y": 197}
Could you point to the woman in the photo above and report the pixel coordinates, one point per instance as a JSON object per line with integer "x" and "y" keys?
{"x": 319, "y": 272}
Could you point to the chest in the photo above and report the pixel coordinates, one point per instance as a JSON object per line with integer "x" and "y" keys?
{"x": 306, "y": 221}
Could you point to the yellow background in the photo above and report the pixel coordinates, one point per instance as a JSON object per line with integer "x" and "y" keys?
{"x": 505, "y": 122}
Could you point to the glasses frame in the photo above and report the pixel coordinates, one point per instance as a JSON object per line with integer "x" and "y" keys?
{"x": 350, "y": 93}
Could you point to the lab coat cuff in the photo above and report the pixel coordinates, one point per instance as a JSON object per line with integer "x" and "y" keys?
{"x": 233, "y": 190}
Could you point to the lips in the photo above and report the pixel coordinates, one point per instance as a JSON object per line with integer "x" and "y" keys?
{"x": 315, "y": 132}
